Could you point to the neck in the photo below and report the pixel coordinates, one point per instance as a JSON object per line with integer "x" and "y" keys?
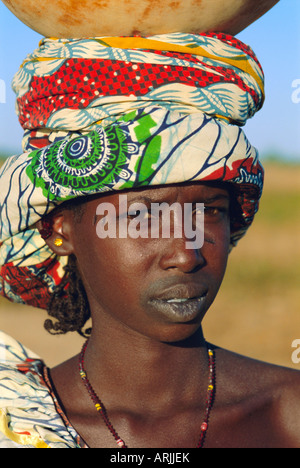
{"x": 138, "y": 369}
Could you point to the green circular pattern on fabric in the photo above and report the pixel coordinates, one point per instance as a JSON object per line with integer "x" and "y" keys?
{"x": 82, "y": 165}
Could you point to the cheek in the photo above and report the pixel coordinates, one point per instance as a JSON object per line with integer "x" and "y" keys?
{"x": 112, "y": 269}
{"x": 216, "y": 250}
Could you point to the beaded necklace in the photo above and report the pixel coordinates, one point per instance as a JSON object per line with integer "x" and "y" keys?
{"x": 101, "y": 408}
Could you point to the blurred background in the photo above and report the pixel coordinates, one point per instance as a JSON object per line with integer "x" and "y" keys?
{"x": 257, "y": 311}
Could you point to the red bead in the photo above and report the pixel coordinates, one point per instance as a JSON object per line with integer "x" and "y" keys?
{"x": 120, "y": 443}
{"x": 204, "y": 427}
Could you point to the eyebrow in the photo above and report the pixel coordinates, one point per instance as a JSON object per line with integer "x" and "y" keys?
{"x": 141, "y": 198}
{"x": 206, "y": 199}
{"x": 215, "y": 198}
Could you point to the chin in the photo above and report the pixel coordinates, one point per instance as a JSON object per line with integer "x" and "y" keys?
{"x": 181, "y": 335}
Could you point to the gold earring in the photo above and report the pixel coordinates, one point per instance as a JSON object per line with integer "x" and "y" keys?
{"x": 58, "y": 242}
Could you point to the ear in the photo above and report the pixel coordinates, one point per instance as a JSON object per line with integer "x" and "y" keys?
{"x": 59, "y": 232}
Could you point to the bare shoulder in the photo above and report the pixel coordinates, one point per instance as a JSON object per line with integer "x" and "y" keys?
{"x": 270, "y": 395}
{"x": 262, "y": 373}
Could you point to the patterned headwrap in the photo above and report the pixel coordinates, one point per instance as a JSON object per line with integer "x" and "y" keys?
{"x": 107, "y": 114}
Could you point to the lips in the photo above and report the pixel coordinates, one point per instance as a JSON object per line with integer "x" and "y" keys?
{"x": 179, "y": 302}
{"x": 180, "y": 293}
{"x": 183, "y": 301}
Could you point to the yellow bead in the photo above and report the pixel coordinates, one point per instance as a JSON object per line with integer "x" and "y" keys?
{"x": 211, "y": 387}
{"x": 98, "y": 407}
{"x": 58, "y": 242}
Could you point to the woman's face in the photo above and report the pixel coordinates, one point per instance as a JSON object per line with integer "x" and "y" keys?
{"x": 156, "y": 287}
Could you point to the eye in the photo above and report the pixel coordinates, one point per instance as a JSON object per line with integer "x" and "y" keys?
{"x": 141, "y": 214}
{"x": 198, "y": 210}
{"x": 211, "y": 210}
{"x": 215, "y": 212}
{"x": 139, "y": 211}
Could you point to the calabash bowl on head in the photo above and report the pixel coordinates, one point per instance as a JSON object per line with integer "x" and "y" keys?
{"x": 87, "y": 18}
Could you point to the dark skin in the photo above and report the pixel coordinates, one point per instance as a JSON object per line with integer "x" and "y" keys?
{"x": 147, "y": 361}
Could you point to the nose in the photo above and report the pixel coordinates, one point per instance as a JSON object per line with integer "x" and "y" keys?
{"x": 176, "y": 256}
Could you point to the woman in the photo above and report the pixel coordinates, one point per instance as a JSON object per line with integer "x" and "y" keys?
{"x": 146, "y": 376}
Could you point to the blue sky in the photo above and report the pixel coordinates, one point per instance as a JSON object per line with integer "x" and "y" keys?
{"x": 275, "y": 38}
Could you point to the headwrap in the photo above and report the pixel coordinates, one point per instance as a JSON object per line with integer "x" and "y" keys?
{"x": 109, "y": 114}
